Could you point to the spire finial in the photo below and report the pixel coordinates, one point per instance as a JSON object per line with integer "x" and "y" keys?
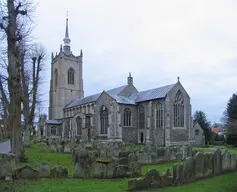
{"x": 66, "y": 40}
{"x": 178, "y": 79}
{"x": 129, "y": 74}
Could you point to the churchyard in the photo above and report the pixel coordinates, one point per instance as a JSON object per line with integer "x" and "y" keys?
{"x": 112, "y": 166}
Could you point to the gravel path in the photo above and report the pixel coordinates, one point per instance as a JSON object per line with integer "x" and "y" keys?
{"x": 5, "y": 147}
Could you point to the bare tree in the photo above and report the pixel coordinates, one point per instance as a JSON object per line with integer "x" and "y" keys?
{"x": 31, "y": 78}
{"x": 13, "y": 25}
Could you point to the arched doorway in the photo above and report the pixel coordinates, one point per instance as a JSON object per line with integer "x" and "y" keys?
{"x": 141, "y": 137}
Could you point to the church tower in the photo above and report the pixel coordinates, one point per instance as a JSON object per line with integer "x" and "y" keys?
{"x": 66, "y": 83}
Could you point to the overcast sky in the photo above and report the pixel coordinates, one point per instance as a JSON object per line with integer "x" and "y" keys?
{"x": 154, "y": 40}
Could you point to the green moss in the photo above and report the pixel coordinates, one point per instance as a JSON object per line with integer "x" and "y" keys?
{"x": 104, "y": 160}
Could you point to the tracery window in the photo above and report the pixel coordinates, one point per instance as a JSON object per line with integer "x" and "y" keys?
{"x": 53, "y": 131}
{"x": 197, "y": 132}
{"x": 70, "y": 76}
{"x": 127, "y": 115}
{"x": 141, "y": 116}
{"x": 159, "y": 115}
{"x": 79, "y": 125}
{"x": 56, "y": 77}
{"x": 178, "y": 110}
{"x": 104, "y": 121}
{"x": 88, "y": 121}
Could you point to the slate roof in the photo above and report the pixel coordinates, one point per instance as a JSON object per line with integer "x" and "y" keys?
{"x": 53, "y": 121}
{"x": 92, "y": 98}
{"x": 151, "y": 94}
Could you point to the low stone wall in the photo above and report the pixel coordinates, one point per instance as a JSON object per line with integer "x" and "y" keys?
{"x": 200, "y": 166}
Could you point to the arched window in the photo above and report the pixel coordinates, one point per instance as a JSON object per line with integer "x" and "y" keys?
{"x": 197, "y": 132}
{"x": 67, "y": 128}
{"x": 178, "y": 110}
{"x": 127, "y": 117}
{"x": 159, "y": 115}
{"x": 104, "y": 121}
{"x": 53, "y": 131}
{"x": 70, "y": 76}
{"x": 56, "y": 77}
{"x": 79, "y": 125}
{"x": 141, "y": 117}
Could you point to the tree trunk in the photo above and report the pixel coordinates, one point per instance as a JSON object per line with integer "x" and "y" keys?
{"x": 14, "y": 81}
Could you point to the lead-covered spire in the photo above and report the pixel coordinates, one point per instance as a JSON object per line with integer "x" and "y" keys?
{"x": 66, "y": 40}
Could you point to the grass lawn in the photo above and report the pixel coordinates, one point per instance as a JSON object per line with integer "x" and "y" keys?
{"x": 224, "y": 183}
{"x": 35, "y": 158}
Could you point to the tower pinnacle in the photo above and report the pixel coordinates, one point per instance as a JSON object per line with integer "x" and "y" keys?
{"x": 66, "y": 40}
{"x": 130, "y": 79}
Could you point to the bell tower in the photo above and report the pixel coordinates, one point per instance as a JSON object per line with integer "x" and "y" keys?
{"x": 66, "y": 83}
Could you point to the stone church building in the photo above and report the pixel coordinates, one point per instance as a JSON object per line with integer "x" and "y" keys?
{"x": 160, "y": 116}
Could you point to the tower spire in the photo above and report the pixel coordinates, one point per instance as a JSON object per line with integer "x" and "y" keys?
{"x": 66, "y": 40}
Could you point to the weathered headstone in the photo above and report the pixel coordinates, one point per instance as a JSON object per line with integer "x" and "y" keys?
{"x": 67, "y": 148}
{"x": 189, "y": 169}
{"x": 217, "y": 162}
{"x": 59, "y": 172}
{"x": 225, "y": 160}
{"x": 233, "y": 162}
{"x": 208, "y": 164}
{"x": 7, "y": 164}
{"x": 167, "y": 178}
{"x": 44, "y": 170}
{"x": 153, "y": 178}
{"x": 199, "y": 165}
{"x": 82, "y": 164}
{"x": 178, "y": 173}
{"x": 26, "y": 172}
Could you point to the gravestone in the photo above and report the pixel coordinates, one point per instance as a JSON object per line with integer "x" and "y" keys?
{"x": 82, "y": 164}
{"x": 7, "y": 164}
{"x": 153, "y": 178}
{"x": 178, "y": 173}
{"x": 225, "y": 160}
{"x": 233, "y": 162}
{"x": 44, "y": 170}
{"x": 217, "y": 162}
{"x": 26, "y": 172}
{"x": 167, "y": 178}
{"x": 189, "y": 169}
{"x": 208, "y": 164}
{"x": 59, "y": 172}
{"x": 199, "y": 165}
